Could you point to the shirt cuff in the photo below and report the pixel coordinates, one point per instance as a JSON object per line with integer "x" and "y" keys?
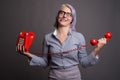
{"x": 97, "y": 57}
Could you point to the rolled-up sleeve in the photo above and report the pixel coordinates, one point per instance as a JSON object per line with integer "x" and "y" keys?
{"x": 40, "y": 60}
{"x": 88, "y": 60}
{"x": 85, "y": 59}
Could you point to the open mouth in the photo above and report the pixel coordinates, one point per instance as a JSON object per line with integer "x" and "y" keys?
{"x": 63, "y": 19}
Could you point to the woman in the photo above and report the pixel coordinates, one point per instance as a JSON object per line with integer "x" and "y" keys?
{"x": 64, "y": 38}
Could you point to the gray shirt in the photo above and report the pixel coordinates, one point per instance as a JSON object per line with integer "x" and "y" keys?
{"x": 58, "y": 59}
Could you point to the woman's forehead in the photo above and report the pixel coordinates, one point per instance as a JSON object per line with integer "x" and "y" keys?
{"x": 65, "y": 8}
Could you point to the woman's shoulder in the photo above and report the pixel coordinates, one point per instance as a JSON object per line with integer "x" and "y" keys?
{"x": 79, "y": 37}
{"x": 48, "y": 36}
{"x": 77, "y": 34}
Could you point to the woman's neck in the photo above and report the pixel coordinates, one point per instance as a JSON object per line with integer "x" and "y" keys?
{"x": 63, "y": 30}
{"x": 62, "y": 33}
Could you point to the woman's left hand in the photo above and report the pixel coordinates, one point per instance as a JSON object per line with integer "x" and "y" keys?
{"x": 101, "y": 42}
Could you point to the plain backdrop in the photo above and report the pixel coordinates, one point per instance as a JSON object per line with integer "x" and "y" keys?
{"x": 94, "y": 18}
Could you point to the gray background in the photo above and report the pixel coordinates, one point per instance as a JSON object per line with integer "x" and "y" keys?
{"x": 94, "y": 18}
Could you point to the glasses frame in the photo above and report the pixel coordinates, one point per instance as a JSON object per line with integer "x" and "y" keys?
{"x": 63, "y": 13}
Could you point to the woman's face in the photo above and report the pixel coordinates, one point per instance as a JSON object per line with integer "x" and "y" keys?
{"x": 64, "y": 16}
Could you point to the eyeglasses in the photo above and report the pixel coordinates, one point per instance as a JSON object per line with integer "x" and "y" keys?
{"x": 62, "y": 13}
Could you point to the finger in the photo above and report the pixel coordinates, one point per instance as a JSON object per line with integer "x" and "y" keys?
{"x": 105, "y": 39}
{"x": 20, "y": 48}
{"x": 23, "y": 48}
{"x": 102, "y": 39}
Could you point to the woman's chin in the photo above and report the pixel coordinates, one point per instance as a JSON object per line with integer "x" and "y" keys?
{"x": 63, "y": 24}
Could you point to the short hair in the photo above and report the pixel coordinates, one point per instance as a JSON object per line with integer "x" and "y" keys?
{"x": 73, "y": 23}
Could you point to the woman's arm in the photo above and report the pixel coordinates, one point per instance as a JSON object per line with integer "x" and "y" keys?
{"x": 33, "y": 59}
{"x": 90, "y": 59}
{"x": 101, "y": 43}
{"x": 20, "y": 49}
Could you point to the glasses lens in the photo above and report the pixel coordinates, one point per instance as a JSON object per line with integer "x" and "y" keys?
{"x": 68, "y": 14}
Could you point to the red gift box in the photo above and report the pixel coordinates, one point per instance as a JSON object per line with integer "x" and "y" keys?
{"x": 25, "y": 39}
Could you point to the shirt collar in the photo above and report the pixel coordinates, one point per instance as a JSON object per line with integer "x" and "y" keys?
{"x": 55, "y": 32}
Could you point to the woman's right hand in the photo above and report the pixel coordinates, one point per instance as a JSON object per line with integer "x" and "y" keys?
{"x": 20, "y": 49}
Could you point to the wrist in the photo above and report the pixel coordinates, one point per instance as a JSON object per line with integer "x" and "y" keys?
{"x": 96, "y": 50}
{"x": 27, "y": 54}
